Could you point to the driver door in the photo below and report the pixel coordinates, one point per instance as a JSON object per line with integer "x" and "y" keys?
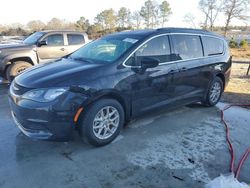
{"x": 153, "y": 87}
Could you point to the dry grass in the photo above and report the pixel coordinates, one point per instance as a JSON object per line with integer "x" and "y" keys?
{"x": 238, "y": 89}
{"x": 240, "y": 53}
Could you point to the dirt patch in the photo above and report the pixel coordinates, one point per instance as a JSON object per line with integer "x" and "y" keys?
{"x": 241, "y": 53}
{"x": 238, "y": 89}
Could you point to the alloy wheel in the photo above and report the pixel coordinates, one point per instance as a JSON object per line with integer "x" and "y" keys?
{"x": 215, "y": 92}
{"x": 106, "y": 122}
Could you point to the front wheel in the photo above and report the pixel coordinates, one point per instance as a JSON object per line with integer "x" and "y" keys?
{"x": 214, "y": 92}
{"x": 15, "y": 69}
{"x": 102, "y": 122}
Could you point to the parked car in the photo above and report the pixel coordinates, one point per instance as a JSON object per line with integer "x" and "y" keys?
{"x": 40, "y": 47}
{"x": 104, "y": 84}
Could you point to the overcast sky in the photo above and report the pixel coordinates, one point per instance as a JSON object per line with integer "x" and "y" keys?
{"x": 22, "y": 11}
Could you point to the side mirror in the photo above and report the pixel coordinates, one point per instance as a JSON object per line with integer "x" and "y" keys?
{"x": 149, "y": 62}
{"x": 42, "y": 43}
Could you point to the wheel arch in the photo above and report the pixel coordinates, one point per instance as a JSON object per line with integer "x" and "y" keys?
{"x": 25, "y": 58}
{"x": 111, "y": 94}
{"x": 222, "y": 77}
{"x": 15, "y": 59}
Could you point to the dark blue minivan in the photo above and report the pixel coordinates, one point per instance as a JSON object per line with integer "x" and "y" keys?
{"x": 104, "y": 84}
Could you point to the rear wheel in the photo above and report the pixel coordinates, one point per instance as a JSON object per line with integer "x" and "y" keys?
{"x": 102, "y": 122}
{"x": 214, "y": 92}
{"x": 15, "y": 69}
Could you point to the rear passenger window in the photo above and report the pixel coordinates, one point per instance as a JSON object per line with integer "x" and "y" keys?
{"x": 212, "y": 46}
{"x": 187, "y": 47}
{"x": 74, "y": 39}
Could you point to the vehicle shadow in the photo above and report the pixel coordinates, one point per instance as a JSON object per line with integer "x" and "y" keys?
{"x": 195, "y": 105}
{"x": 28, "y": 149}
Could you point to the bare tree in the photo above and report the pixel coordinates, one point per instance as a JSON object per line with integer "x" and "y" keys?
{"x": 15, "y": 26}
{"x": 55, "y": 23}
{"x": 165, "y": 12}
{"x": 137, "y": 19}
{"x": 36, "y": 25}
{"x": 2, "y": 28}
{"x": 107, "y": 19}
{"x": 150, "y": 13}
{"x": 124, "y": 17}
{"x": 82, "y": 24}
{"x": 235, "y": 9}
{"x": 211, "y": 9}
{"x": 70, "y": 25}
{"x": 189, "y": 18}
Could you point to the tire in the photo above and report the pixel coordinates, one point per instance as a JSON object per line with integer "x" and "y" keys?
{"x": 15, "y": 69}
{"x": 214, "y": 92}
{"x": 93, "y": 117}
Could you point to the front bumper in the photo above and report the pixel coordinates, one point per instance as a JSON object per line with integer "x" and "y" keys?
{"x": 33, "y": 133}
{"x": 47, "y": 121}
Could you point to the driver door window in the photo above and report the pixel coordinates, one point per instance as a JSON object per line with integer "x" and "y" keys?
{"x": 157, "y": 48}
{"x": 55, "y": 40}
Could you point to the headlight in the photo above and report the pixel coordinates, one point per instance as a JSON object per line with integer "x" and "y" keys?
{"x": 44, "y": 95}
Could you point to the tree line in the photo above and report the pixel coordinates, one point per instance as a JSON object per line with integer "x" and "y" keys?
{"x": 212, "y": 9}
{"x": 150, "y": 15}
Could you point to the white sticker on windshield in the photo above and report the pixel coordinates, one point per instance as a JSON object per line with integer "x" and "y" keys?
{"x": 130, "y": 40}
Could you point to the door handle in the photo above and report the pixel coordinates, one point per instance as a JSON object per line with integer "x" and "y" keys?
{"x": 62, "y": 49}
{"x": 172, "y": 71}
{"x": 183, "y": 68}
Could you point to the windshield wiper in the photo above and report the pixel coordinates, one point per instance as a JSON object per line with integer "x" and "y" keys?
{"x": 81, "y": 59}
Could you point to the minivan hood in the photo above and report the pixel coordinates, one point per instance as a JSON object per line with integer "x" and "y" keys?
{"x": 61, "y": 73}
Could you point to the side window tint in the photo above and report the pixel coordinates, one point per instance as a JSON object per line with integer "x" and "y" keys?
{"x": 131, "y": 61}
{"x": 187, "y": 47}
{"x": 74, "y": 39}
{"x": 55, "y": 40}
{"x": 157, "y": 48}
{"x": 212, "y": 46}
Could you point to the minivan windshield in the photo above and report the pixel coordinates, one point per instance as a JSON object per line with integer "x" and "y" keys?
{"x": 32, "y": 39}
{"x": 104, "y": 50}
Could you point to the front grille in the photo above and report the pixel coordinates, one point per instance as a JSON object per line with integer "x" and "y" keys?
{"x": 17, "y": 89}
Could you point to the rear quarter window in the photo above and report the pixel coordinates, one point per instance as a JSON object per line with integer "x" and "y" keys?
{"x": 212, "y": 46}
